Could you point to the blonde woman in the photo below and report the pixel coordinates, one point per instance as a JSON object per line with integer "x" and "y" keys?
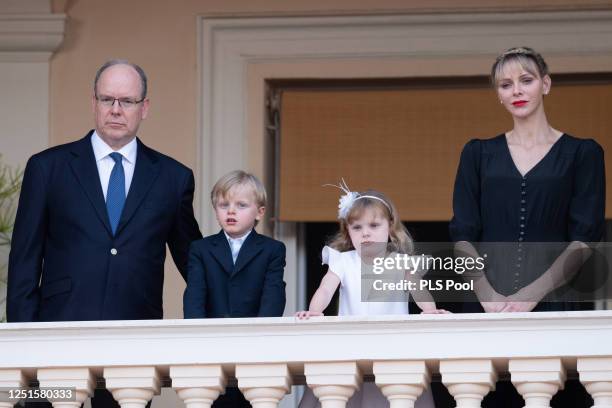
{"x": 540, "y": 193}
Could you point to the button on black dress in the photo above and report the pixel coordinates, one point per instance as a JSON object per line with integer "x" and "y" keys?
{"x": 561, "y": 199}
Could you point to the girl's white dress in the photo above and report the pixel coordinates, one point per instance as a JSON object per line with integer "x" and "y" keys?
{"x": 347, "y": 265}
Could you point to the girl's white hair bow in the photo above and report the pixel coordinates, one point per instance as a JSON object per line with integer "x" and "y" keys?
{"x": 346, "y": 201}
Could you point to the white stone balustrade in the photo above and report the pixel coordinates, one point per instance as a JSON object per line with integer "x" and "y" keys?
{"x": 333, "y": 354}
{"x": 401, "y": 381}
{"x": 596, "y": 375}
{"x": 198, "y": 385}
{"x": 79, "y": 378}
{"x": 468, "y": 381}
{"x": 333, "y": 383}
{"x": 10, "y": 379}
{"x": 132, "y": 387}
{"x": 264, "y": 385}
{"x": 537, "y": 380}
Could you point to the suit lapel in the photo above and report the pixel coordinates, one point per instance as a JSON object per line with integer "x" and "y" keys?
{"x": 221, "y": 251}
{"x": 250, "y": 248}
{"x": 86, "y": 171}
{"x": 146, "y": 171}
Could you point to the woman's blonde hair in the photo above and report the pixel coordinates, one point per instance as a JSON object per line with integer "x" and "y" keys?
{"x": 399, "y": 239}
{"x": 526, "y": 57}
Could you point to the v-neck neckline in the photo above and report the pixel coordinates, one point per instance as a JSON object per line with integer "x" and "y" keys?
{"x": 535, "y": 166}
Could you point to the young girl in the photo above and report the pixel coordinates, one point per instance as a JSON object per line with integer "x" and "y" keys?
{"x": 369, "y": 227}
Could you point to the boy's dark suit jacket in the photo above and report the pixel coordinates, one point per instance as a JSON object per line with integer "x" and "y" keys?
{"x": 254, "y": 287}
{"x": 65, "y": 263}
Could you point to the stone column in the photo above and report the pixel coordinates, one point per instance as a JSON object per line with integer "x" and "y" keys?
{"x": 333, "y": 383}
{"x": 264, "y": 385}
{"x": 596, "y": 375}
{"x": 80, "y": 379}
{"x": 11, "y": 379}
{"x": 468, "y": 381}
{"x": 537, "y": 380}
{"x": 401, "y": 381}
{"x": 132, "y": 387}
{"x": 198, "y": 385}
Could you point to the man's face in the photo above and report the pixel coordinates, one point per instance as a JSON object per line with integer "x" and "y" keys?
{"x": 238, "y": 211}
{"x": 117, "y": 125}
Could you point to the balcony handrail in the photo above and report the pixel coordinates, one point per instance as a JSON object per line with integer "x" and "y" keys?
{"x": 164, "y": 343}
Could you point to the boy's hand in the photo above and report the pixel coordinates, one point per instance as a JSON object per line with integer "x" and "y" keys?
{"x": 305, "y": 314}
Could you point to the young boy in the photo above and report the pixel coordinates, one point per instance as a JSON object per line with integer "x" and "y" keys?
{"x": 237, "y": 272}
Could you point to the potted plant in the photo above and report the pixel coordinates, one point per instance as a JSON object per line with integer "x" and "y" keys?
{"x": 10, "y": 184}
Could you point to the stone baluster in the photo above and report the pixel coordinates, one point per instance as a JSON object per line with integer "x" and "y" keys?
{"x": 596, "y": 375}
{"x": 468, "y": 381}
{"x": 401, "y": 381}
{"x": 78, "y": 380}
{"x": 264, "y": 385}
{"x": 537, "y": 379}
{"x": 10, "y": 379}
{"x": 198, "y": 385}
{"x": 132, "y": 387}
{"x": 333, "y": 383}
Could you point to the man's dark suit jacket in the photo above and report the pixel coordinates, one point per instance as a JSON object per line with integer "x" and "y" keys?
{"x": 65, "y": 263}
{"x": 254, "y": 287}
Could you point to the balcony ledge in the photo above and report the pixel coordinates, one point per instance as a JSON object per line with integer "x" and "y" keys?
{"x": 164, "y": 343}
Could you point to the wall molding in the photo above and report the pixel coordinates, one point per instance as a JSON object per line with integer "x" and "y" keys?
{"x": 29, "y": 34}
{"x": 30, "y": 37}
{"x": 236, "y": 56}
{"x": 425, "y": 44}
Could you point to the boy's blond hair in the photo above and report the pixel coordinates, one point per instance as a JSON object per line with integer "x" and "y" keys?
{"x": 239, "y": 178}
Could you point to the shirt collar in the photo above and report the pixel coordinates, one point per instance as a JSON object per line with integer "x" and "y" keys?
{"x": 101, "y": 149}
{"x": 239, "y": 239}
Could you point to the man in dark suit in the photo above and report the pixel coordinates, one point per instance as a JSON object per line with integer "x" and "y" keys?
{"x": 95, "y": 215}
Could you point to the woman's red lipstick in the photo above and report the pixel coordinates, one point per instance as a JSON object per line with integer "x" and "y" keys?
{"x": 519, "y": 103}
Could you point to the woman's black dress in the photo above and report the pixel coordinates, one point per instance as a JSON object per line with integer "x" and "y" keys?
{"x": 530, "y": 218}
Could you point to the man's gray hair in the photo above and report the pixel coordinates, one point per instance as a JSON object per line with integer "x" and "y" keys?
{"x": 110, "y": 63}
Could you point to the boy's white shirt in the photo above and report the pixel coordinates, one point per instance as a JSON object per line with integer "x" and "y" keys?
{"x": 236, "y": 243}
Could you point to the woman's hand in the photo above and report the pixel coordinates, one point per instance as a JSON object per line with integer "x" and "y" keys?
{"x": 305, "y": 314}
{"x": 494, "y": 307}
{"x": 521, "y": 306}
{"x": 521, "y": 301}
{"x": 435, "y": 311}
{"x": 496, "y": 302}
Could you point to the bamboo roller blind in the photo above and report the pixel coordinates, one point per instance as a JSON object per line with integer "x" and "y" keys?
{"x": 407, "y": 142}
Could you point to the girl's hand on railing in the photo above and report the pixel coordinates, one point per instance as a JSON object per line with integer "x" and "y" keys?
{"x": 305, "y": 314}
